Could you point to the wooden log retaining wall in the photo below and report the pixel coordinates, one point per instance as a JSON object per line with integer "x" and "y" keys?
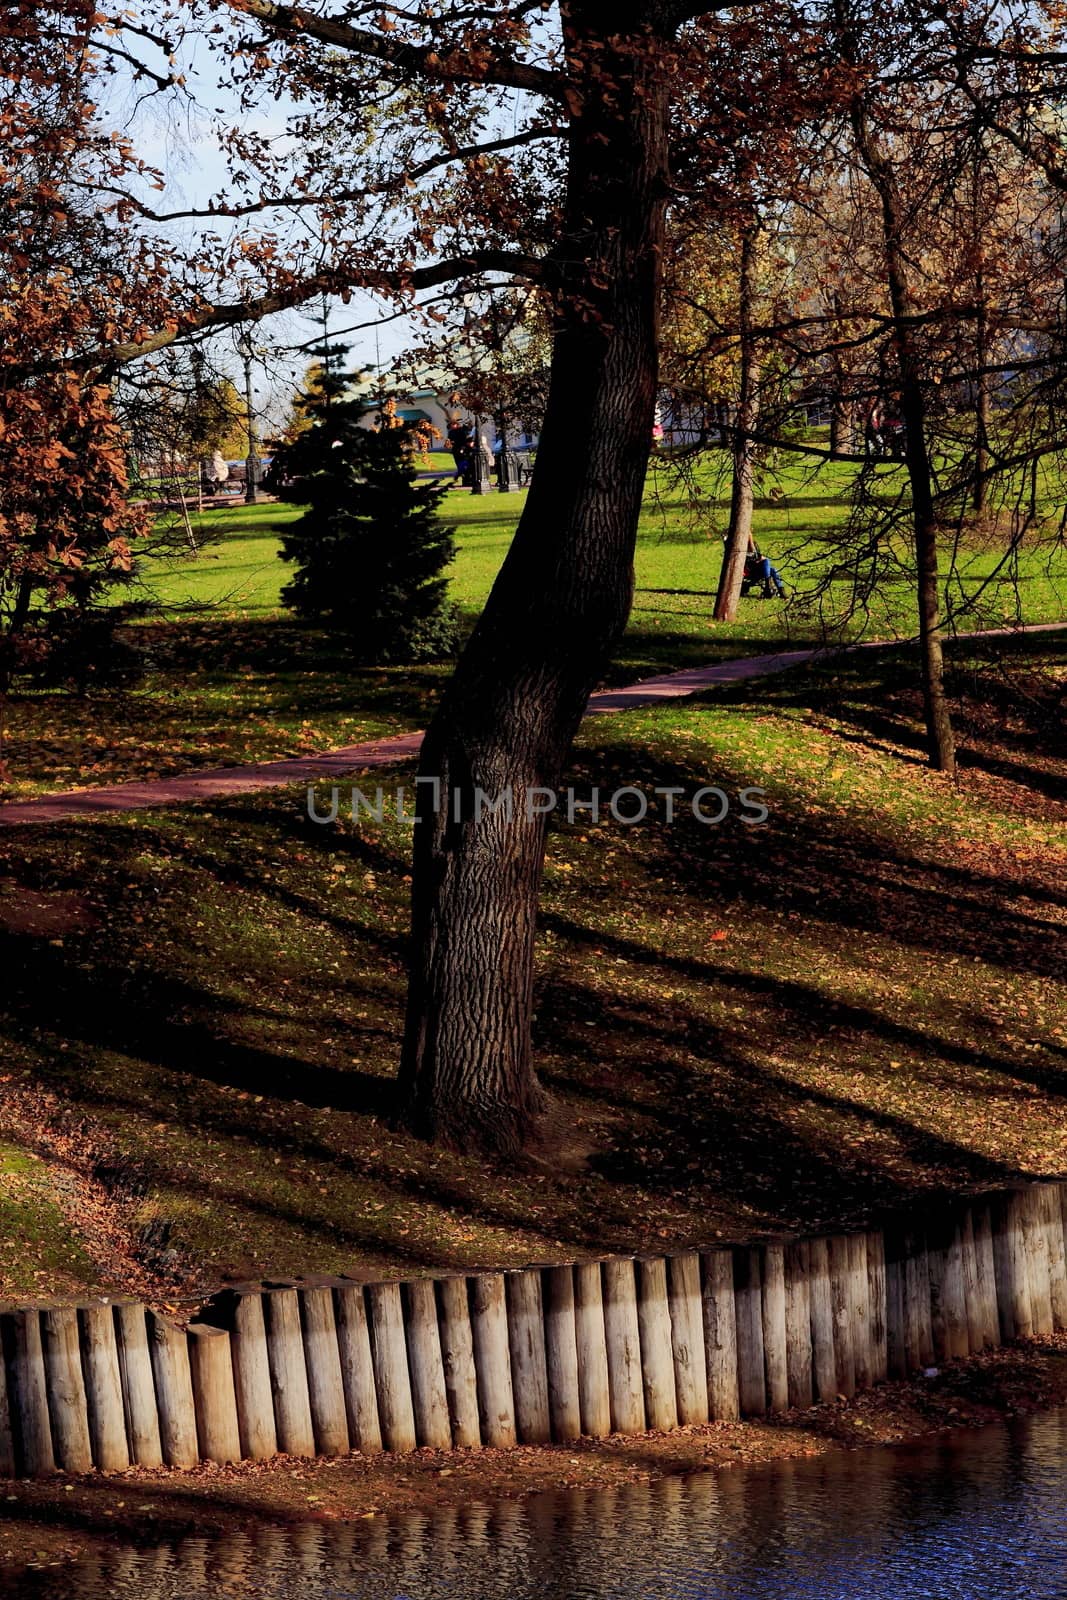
{"x": 543, "y": 1354}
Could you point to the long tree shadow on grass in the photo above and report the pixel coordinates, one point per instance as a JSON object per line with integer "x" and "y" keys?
{"x": 1007, "y": 698}
{"x": 174, "y": 1024}
{"x": 678, "y": 1151}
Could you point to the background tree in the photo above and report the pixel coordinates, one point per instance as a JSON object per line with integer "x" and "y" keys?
{"x": 370, "y": 551}
{"x": 69, "y": 272}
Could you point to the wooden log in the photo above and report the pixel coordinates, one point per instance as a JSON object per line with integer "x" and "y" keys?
{"x": 138, "y": 1385}
{"x": 972, "y": 1294}
{"x": 876, "y": 1306}
{"x": 918, "y": 1332}
{"x": 529, "y": 1366}
{"x": 719, "y": 1317}
{"x": 288, "y": 1373}
{"x": 429, "y": 1397}
{"x": 841, "y": 1300}
{"x": 623, "y": 1339}
{"x": 251, "y": 1380}
{"x": 948, "y": 1304}
{"x": 896, "y": 1342}
{"x": 594, "y": 1385}
{"x": 798, "y": 1327}
{"x": 7, "y": 1433}
{"x": 103, "y": 1388}
{"x": 492, "y": 1359}
{"x": 561, "y": 1354}
{"x": 31, "y": 1394}
{"x": 775, "y": 1360}
{"x": 174, "y": 1391}
{"x": 396, "y": 1411}
{"x": 657, "y": 1357}
{"x": 987, "y": 1276}
{"x": 357, "y": 1369}
{"x": 748, "y": 1307}
{"x": 66, "y": 1389}
{"x": 214, "y": 1399}
{"x": 322, "y": 1359}
{"x": 820, "y": 1300}
{"x": 1036, "y": 1238}
{"x": 935, "y": 1266}
{"x": 955, "y": 1293}
{"x": 687, "y": 1338}
{"x": 1057, "y": 1264}
{"x": 860, "y": 1311}
{"x": 457, "y": 1356}
{"x": 1012, "y": 1269}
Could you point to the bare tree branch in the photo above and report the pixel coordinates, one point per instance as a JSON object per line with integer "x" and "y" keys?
{"x": 402, "y": 56}
{"x": 383, "y": 186}
{"x": 208, "y": 318}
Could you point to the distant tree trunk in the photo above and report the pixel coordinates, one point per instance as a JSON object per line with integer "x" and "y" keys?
{"x": 842, "y": 410}
{"x": 508, "y": 717}
{"x": 982, "y": 404}
{"x": 939, "y": 735}
{"x": 841, "y": 422}
{"x": 20, "y": 611}
{"x": 739, "y": 532}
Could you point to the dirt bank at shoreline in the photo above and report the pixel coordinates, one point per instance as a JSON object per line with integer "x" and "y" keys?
{"x": 50, "y": 1523}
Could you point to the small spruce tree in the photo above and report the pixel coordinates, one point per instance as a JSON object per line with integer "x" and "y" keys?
{"x": 370, "y": 549}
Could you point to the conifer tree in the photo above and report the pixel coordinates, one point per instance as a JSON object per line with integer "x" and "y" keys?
{"x": 370, "y": 550}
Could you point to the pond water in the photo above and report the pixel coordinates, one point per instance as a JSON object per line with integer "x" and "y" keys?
{"x": 975, "y": 1516}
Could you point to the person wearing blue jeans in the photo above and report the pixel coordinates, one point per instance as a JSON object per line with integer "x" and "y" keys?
{"x": 758, "y": 569}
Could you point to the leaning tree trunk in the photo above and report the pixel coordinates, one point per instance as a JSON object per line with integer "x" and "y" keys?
{"x": 508, "y": 717}
{"x": 939, "y": 735}
{"x": 739, "y": 532}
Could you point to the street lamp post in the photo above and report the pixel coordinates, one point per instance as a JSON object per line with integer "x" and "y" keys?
{"x": 244, "y": 345}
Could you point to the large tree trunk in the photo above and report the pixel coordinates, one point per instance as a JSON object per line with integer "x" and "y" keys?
{"x": 560, "y": 603}
{"x": 939, "y": 735}
{"x": 739, "y": 532}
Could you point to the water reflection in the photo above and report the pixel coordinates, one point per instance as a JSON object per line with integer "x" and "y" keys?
{"x": 969, "y": 1517}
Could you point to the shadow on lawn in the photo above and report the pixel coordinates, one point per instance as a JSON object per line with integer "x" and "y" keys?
{"x": 169, "y": 1022}
{"x": 696, "y": 1125}
{"x": 1007, "y": 697}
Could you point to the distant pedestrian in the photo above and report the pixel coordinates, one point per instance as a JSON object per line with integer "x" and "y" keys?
{"x": 461, "y": 444}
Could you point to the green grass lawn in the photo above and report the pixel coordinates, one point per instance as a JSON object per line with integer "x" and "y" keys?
{"x": 751, "y": 1028}
{"x": 231, "y": 678}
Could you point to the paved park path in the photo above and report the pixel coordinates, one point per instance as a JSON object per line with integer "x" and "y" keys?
{"x": 223, "y": 781}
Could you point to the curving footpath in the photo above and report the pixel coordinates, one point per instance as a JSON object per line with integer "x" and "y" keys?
{"x": 220, "y": 782}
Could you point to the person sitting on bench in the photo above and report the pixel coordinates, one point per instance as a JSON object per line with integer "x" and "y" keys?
{"x": 758, "y": 569}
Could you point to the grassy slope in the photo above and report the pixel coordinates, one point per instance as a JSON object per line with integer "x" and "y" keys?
{"x": 750, "y": 1027}
{"x": 239, "y": 682}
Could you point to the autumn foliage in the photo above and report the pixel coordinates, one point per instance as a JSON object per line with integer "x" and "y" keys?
{"x": 70, "y": 275}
